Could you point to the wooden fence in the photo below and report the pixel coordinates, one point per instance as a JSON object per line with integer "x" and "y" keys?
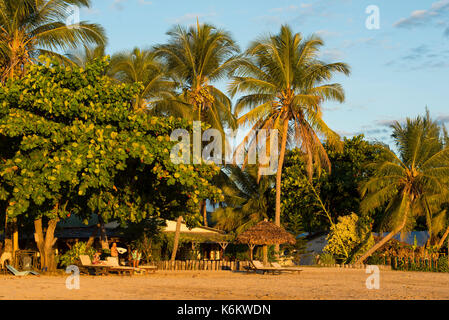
{"x": 212, "y": 265}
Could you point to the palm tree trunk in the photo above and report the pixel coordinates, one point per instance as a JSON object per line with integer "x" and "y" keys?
{"x": 176, "y": 240}
{"x": 446, "y": 233}
{"x": 277, "y": 217}
{"x": 385, "y": 239}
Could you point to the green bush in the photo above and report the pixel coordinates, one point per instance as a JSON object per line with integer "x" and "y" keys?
{"x": 71, "y": 256}
{"x": 375, "y": 259}
{"x": 443, "y": 264}
{"x": 327, "y": 258}
{"x": 351, "y": 235}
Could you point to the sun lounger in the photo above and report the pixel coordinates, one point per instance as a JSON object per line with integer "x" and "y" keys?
{"x": 288, "y": 269}
{"x": 86, "y": 265}
{"x": 258, "y": 266}
{"x": 16, "y": 272}
{"x": 148, "y": 269}
{"x": 112, "y": 262}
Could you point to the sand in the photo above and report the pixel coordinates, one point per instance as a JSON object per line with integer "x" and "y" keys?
{"x": 312, "y": 283}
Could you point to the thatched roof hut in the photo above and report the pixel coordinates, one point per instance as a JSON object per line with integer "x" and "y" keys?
{"x": 265, "y": 233}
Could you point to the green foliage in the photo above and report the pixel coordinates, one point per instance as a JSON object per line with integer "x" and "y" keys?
{"x": 337, "y": 190}
{"x": 443, "y": 265}
{"x": 71, "y": 256}
{"x": 413, "y": 183}
{"x": 75, "y": 145}
{"x": 327, "y": 258}
{"x": 246, "y": 198}
{"x": 30, "y": 28}
{"x": 144, "y": 235}
{"x": 352, "y": 233}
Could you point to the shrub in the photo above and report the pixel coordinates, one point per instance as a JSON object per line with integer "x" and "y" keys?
{"x": 443, "y": 264}
{"x": 351, "y": 234}
{"x": 376, "y": 259}
{"x": 71, "y": 256}
{"x": 327, "y": 258}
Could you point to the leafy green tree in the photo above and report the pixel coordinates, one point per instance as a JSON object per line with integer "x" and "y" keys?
{"x": 77, "y": 147}
{"x": 283, "y": 85}
{"x": 30, "y": 28}
{"x": 412, "y": 184}
{"x": 352, "y": 232}
{"x": 338, "y": 189}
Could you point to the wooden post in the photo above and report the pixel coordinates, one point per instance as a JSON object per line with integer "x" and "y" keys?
{"x": 265, "y": 255}
{"x": 251, "y": 247}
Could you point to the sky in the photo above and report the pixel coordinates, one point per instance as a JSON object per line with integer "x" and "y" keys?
{"x": 398, "y": 68}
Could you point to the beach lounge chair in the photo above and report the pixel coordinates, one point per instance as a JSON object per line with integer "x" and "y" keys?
{"x": 86, "y": 265}
{"x": 258, "y": 266}
{"x": 112, "y": 262}
{"x": 16, "y": 272}
{"x": 288, "y": 269}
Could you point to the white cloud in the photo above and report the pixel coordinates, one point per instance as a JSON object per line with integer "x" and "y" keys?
{"x": 421, "y": 17}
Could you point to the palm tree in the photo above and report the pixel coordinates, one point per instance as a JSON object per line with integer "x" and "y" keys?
{"x": 196, "y": 58}
{"x": 282, "y": 78}
{"x": 411, "y": 185}
{"x": 143, "y": 66}
{"x": 246, "y": 198}
{"x": 30, "y": 28}
{"x": 82, "y": 58}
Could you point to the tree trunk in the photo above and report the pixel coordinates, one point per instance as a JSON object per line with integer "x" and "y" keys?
{"x": 265, "y": 255}
{"x": 385, "y": 239}
{"x": 176, "y": 239}
{"x": 92, "y": 237}
{"x": 204, "y": 212}
{"x": 277, "y": 218}
{"x": 45, "y": 244}
{"x": 15, "y": 237}
{"x": 8, "y": 235}
{"x": 446, "y": 233}
{"x": 103, "y": 235}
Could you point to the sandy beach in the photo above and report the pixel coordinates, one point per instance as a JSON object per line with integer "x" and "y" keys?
{"x": 312, "y": 283}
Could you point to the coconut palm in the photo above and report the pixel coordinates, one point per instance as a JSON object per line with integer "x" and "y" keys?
{"x": 29, "y": 28}
{"x": 282, "y": 82}
{"x": 143, "y": 66}
{"x": 197, "y": 57}
{"x": 246, "y": 198}
{"x": 414, "y": 184}
{"x": 82, "y": 58}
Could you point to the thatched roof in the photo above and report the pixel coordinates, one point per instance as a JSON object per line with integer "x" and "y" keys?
{"x": 266, "y": 232}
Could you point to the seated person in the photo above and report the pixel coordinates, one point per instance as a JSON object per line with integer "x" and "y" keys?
{"x": 96, "y": 259}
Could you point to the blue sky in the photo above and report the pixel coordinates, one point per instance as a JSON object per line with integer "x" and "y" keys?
{"x": 397, "y": 70}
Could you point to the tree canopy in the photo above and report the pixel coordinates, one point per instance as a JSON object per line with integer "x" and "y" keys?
{"x": 76, "y": 145}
